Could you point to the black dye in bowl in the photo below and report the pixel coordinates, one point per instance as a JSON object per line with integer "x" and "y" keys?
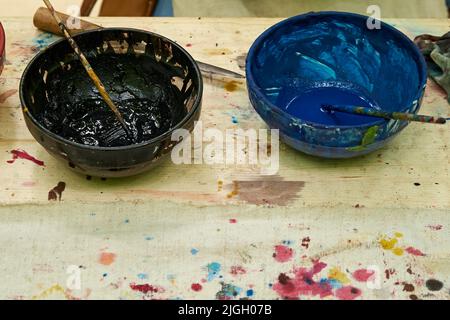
{"x": 148, "y": 101}
{"x": 155, "y": 83}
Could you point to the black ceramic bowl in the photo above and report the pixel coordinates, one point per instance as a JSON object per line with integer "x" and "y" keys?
{"x": 117, "y": 161}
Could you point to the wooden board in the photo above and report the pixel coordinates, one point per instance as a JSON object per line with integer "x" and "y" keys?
{"x": 387, "y": 211}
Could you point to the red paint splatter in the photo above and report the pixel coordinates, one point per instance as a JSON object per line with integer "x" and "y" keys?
{"x": 146, "y": 288}
{"x": 232, "y": 221}
{"x": 237, "y": 270}
{"x": 303, "y": 283}
{"x": 5, "y": 95}
{"x": 196, "y": 287}
{"x": 188, "y": 45}
{"x": 436, "y": 227}
{"x": 415, "y": 252}
{"x": 283, "y": 253}
{"x": 362, "y": 275}
{"x": 348, "y": 293}
{"x": 305, "y": 242}
{"x": 20, "y": 154}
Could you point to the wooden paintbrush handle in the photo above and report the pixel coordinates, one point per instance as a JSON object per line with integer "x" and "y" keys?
{"x": 43, "y": 20}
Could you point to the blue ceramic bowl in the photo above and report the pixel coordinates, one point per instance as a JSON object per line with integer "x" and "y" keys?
{"x": 307, "y": 61}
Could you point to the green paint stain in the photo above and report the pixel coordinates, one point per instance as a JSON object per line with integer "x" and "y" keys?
{"x": 369, "y": 138}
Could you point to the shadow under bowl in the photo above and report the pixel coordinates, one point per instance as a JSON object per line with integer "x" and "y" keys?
{"x": 302, "y": 63}
{"x": 110, "y": 161}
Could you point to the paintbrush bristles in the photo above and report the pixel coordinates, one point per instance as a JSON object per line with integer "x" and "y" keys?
{"x": 97, "y": 82}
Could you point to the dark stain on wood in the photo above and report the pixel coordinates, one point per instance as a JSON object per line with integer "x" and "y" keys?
{"x": 261, "y": 192}
{"x": 56, "y": 193}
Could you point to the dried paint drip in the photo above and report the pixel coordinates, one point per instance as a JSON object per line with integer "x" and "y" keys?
{"x": 21, "y": 154}
{"x": 56, "y": 193}
{"x": 141, "y": 88}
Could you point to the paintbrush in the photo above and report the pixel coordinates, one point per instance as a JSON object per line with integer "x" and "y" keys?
{"x": 97, "y": 82}
{"x": 383, "y": 114}
{"x": 43, "y": 21}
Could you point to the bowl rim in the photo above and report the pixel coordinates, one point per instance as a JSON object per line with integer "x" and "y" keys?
{"x": 161, "y": 137}
{"x": 421, "y": 66}
{"x": 2, "y": 41}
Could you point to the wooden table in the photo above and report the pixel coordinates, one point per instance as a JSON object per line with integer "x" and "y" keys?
{"x": 179, "y": 232}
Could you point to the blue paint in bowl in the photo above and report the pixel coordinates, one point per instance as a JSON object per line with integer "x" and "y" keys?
{"x": 305, "y": 62}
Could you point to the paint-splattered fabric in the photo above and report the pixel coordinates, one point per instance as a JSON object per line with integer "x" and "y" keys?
{"x": 437, "y": 53}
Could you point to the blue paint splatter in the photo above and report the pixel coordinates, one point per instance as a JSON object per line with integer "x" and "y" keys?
{"x": 142, "y": 276}
{"x": 148, "y": 238}
{"x": 213, "y": 270}
{"x": 43, "y": 40}
{"x": 194, "y": 251}
{"x": 105, "y": 275}
{"x": 334, "y": 283}
{"x": 287, "y": 242}
{"x": 234, "y": 119}
{"x": 127, "y": 221}
{"x": 250, "y": 293}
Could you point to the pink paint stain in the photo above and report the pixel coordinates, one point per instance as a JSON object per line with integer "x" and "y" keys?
{"x": 415, "y": 252}
{"x": 20, "y": 154}
{"x": 348, "y": 293}
{"x": 237, "y": 270}
{"x": 29, "y": 183}
{"x": 107, "y": 258}
{"x": 303, "y": 283}
{"x": 363, "y": 275}
{"x": 196, "y": 287}
{"x": 5, "y": 95}
{"x": 232, "y": 221}
{"x": 283, "y": 253}
{"x": 145, "y": 288}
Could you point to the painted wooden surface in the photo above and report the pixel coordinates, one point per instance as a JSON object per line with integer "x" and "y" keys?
{"x": 218, "y": 231}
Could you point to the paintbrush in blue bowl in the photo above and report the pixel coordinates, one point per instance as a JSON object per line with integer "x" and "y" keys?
{"x": 383, "y": 114}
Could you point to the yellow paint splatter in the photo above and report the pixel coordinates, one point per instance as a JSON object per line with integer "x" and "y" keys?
{"x": 336, "y": 274}
{"x": 388, "y": 243}
{"x": 235, "y": 190}
{"x": 398, "y": 251}
{"x": 47, "y": 292}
